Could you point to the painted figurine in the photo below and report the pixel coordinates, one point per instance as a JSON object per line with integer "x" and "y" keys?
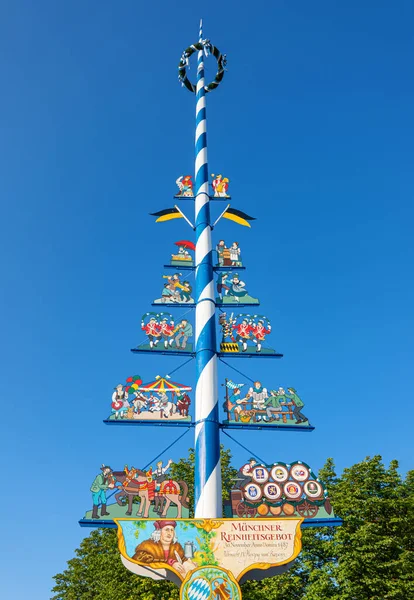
{"x": 101, "y": 483}
{"x": 275, "y": 404}
{"x": 182, "y": 256}
{"x": 185, "y": 330}
{"x": 167, "y": 332}
{"x": 222, "y": 285}
{"x": 259, "y": 333}
{"x": 298, "y": 404}
{"x": 220, "y": 186}
{"x": 152, "y": 330}
{"x": 237, "y": 288}
{"x": 174, "y": 291}
{"x": 258, "y": 395}
{"x": 243, "y": 331}
{"x": 235, "y": 254}
{"x": 226, "y": 325}
{"x": 120, "y": 402}
{"x": 229, "y": 257}
{"x": 185, "y": 185}
{"x": 183, "y": 403}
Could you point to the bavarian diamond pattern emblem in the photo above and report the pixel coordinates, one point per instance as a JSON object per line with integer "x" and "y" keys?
{"x": 199, "y": 589}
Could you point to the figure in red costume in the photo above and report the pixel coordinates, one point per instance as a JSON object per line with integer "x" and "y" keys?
{"x": 152, "y": 329}
{"x": 243, "y": 331}
{"x": 166, "y": 331}
{"x": 259, "y": 333}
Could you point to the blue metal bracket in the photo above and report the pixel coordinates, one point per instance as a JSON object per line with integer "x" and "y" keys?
{"x": 245, "y": 355}
{"x": 302, "y": 428}
{"x": 180, "y": 267}
{"x": 229, "y": 269}
{"x": 159, "y": 423}
{"x": 170, "y": 352}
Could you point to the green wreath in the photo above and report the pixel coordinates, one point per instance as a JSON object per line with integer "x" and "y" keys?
{"x": 208, "y": 48}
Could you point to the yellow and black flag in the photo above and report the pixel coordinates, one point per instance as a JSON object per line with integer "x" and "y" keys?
{"x": 238, "y": 216}
{"x": 167, "y": 214}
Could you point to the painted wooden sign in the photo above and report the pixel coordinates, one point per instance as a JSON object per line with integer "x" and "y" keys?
{"x": 146, "y": 493}
{"x": 228, "y": 256}
{"x": 207, "y": 558}
{"x": 244, "y": 333}
{"x": 279, "y": 490}
{"x": 165, "y": 333}
{"x": 253, "y": 403}
{"x": 183, "y": 255}
{"x": 232, "y": 290}
{"x": 158, "y": 400}
{"x": 176, "y": 290}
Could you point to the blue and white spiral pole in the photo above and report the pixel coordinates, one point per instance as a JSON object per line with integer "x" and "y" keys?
{"x": 207, "y": 492}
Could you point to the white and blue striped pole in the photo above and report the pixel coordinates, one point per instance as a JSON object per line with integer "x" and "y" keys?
{"x": 207, "y": 480}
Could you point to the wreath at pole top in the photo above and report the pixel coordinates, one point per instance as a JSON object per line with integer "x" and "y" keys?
{"x": 208, "y": 48}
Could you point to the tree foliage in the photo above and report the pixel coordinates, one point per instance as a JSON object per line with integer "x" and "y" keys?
{"x": 371, "y": 557}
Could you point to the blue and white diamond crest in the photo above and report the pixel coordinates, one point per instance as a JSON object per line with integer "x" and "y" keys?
{"x": 199, "y": 589}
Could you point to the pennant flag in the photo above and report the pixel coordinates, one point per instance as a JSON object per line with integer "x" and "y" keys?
{"x": 238, "y": 216}
{"x": 166, "y": 215}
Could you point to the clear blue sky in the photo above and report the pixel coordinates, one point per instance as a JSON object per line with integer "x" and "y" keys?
{"x": 313, "y": 124}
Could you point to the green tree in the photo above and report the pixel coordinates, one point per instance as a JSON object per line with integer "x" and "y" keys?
{"x": 371, "y": 557}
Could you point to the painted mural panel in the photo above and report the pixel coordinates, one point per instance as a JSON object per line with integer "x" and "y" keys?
{"x": 158, "y": 400}
{"x": 254, "y": 403}
{"x": 279, "y": 490}
{"x": 185, "y": 546}
{"x": 147, "y": 493}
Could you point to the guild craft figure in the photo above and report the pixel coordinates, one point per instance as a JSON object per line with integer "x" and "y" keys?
{"x": 242, "y": 333}
{"x": 233, "y": 404}
{"x": 298, "y": 404}
{"x": 182, "y": 256}
{"x": 120, "y": 404}
{"x": 261, "y": 404}
{"x": 220, "y": 186}
{"x": 175, "y": 291}
{"x": 167, "y": 329}
{"x": 242, "y": 329}
{"x": 184, "y": 331}
{"x": 232, "y": 290}
{"x": 185, "y": 186}
{"x": 152, "y": 330}
{"x": 163, "y": 547}
{"x": 102, "y": 482}
{"x": 258, "y": 394}
{"x": 183, "y": 403}
{"x": 229, "y": 257}
{"x": 259, "y": 333}
{"x": 158, "y": 400}
{"x": 245, "y": 472}
{"x": 161, "y": 328}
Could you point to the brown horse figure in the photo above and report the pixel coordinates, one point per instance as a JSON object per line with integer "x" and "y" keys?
{"x": 140, "y": 486}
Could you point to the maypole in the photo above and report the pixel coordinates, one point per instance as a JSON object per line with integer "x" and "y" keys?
{"x": 270, "y": 501}
{"x": 207, "y": 493}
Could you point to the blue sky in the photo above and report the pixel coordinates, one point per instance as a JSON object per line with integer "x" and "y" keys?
{"x": 313, "y": 125}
